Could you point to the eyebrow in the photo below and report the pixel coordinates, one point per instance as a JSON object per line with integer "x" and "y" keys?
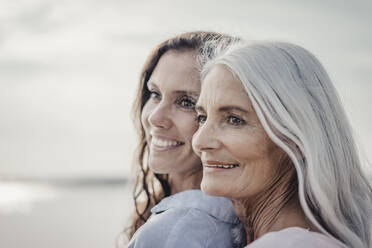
{"x": 152, "y": 84}
{"x": 224, "y": 109}
{"x": 199, "y": 108}
{"x": 230, "y": 108}
{"x": 178, "y": 92}
{"x": 185, "y": 92}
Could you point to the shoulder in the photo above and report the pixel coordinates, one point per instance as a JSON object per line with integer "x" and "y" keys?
{"x": 157, "y": 229}
{"x": 294, "y": 237}
{"x": 182, "y": 227}
{"x": 218, "y": 207}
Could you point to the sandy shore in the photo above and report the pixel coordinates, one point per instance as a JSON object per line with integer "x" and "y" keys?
{"x": 62, "y": 216}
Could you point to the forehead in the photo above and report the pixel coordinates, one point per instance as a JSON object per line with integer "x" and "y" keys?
{"x": 221, "y": 87}
{"x": 176, "y": 70}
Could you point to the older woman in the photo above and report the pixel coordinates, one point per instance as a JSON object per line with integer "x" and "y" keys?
{"x": 273, "y": 137}
{"x": 169, "y": 172}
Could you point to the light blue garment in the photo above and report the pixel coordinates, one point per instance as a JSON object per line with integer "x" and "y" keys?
{"x": 189, "y": 219}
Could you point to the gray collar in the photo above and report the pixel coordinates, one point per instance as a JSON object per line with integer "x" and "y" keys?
{"x": 218, "y": 207}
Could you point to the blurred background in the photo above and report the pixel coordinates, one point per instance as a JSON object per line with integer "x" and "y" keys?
{"x": 68, "y": 74}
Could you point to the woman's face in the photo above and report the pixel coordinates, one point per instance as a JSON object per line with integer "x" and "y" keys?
{"x": 168, "y": 117}
{"x": 238, "y": 157}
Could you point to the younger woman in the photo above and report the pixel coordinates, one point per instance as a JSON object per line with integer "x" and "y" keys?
{"x": 169, "y": 171}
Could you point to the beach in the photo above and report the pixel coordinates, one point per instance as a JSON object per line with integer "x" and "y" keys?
{"x": 58, "y": 215}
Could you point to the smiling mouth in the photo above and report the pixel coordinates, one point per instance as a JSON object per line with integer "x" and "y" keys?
{"x": 224, "y": 166}
{"x": 165, "y": 144}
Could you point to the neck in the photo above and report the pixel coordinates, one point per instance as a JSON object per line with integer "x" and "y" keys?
{"x": 259, "y": 220}
{"x": 292, "y": 216}
{"x": 184, "y": 181}
{"x": 275, "y": 207}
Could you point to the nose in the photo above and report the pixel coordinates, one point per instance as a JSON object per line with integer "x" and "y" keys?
{"x": 159, "y": 116}
{"x": 205, "y": 139}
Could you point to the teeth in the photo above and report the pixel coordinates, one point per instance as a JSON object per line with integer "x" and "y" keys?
{"x": 165, "y": 143}
{"x": 230, "y": 166}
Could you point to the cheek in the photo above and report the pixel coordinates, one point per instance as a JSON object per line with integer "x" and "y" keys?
{"x": 187, "y": 124}
{"x": 246, "y": 147}
{"x": 259, "y": 157}
{"x": 144, "y": 116}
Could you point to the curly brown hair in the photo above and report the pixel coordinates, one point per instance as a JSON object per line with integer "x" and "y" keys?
{"x": 150, "y": 188}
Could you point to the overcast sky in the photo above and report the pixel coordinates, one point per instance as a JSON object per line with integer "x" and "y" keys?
{"x": 69, "y": 70}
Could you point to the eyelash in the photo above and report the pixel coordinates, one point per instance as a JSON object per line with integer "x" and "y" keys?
{"x": 154, "y": 95}
{"x": 233, "y": 117}
{"x": 180, "y": 101}
{"x": 198, "y": 118}
{"x": 231, "y": 120}
{"x": 190, "y": 101}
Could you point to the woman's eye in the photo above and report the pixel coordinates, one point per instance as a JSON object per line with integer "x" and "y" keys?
{"x": 201, "y": 118}
{"x": 154, "y": 95}
{"x": 236, "y": 121}
{"x": 186, "y": 102}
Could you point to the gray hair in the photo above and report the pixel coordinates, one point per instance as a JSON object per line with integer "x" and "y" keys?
{"x": 301, "y": 112}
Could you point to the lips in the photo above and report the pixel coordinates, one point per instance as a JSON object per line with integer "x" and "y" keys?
{"x": 220, "y": 165}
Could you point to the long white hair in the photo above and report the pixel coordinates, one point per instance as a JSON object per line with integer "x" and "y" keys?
{"x": 300, "y": 110}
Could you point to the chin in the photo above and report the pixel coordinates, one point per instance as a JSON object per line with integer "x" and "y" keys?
{"x": 212, "y": 189}
{"x": 159, "y": 169}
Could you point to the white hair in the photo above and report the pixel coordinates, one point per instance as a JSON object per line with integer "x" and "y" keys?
{"x": 300, "y": 110}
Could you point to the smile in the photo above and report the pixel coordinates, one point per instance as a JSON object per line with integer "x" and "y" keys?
{"x": 163, "y": 143}
{"x": 228, "y": 166}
